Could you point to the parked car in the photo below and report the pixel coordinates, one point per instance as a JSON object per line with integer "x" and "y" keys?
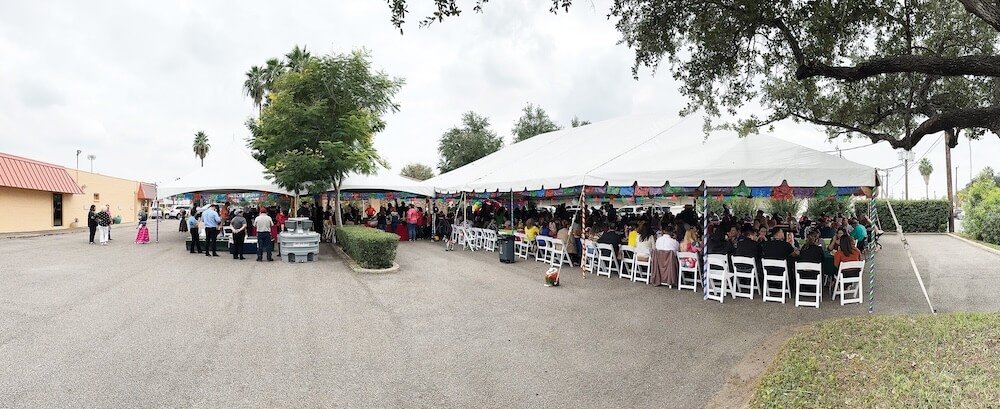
{"x": 175, "y": 212}
{"x": 155, "y": 213}
{"x": 632, "y": 210}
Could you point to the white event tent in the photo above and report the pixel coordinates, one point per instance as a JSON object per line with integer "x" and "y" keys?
{"x": 231, "y": 169}
{"x": 651, "y": 150}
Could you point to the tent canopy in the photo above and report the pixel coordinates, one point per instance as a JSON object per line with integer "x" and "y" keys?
{"x": 231, "y": 169}
{"x": 385, "y": 180}
{"x": 228, "y": 169}
{"x": 651, "y": 150}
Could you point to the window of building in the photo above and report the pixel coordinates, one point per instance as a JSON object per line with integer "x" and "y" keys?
{"x": 97, "y": 197}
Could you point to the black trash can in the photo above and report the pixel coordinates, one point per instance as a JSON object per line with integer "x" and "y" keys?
{"x": 506, "y": 248}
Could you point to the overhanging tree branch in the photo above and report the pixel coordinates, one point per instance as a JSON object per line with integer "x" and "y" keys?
{"x": 985, "y": 10}
{"x": 975, "y": 65}
{"x": 988, "y": 118}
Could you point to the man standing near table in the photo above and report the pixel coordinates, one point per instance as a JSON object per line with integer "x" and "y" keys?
{"x": 263, "y": 225}
{"x": 239, "y": 225}
{"x": 211, "y": 219}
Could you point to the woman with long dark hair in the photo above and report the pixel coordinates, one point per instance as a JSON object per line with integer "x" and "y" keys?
{"x": 847, "y": 251}
{"x": 92, "y": 222}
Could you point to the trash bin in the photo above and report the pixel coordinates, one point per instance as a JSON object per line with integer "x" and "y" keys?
{"x": 506, "y": 248}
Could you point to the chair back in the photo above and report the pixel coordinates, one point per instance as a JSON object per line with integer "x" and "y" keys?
{"x": 851, "y": 267}
{"x": 681, "y": 255}
{"x": 801, "y": 266}
{"x": 628, "y": 252}
{"x": 774, "y": 264}
{"x": 605, "y": 250}
{"x": 741, "y": 264}
{"x": 718, "y": 263}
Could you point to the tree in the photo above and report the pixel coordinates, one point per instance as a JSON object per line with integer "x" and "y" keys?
{"x": 253, "y": 86}
{"x": 297, "y": 58}
{"x": 925, "y": 170}
{"x": 533, "y": 121}
{"x": 201, "y": 146}
{"x": 272, "y": 70}
{"x": 803, "y": 61}
{"x": 463, "y": 145}
{"x": 417, "y": 171}
{"x": 319, "y": 124}
{"x": 576, "y": 122}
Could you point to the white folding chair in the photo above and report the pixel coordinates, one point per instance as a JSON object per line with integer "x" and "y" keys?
{"x": 472, "y": 238}
{"x": 521, "y": 245}
{"x": 849, "y": 273}
{"x": 456, "y": 231}
{"x": 542, "y": 249}
{"x": 463, "y": 236}
{"x": 626, "y": 267}
{"x": 558, "y": 256}
{"x": 606, "y": 261}
{"x": 688, "y": 278}
{"x": 717, "y": 275}
{"x": 589, "y": 259}
{"x": 804, "y": 296}
{"x": 776, "y": 274}
{"x": 490, "y": 240}
{"x": 641, "y": 264}
{"x": 745, "y": 268}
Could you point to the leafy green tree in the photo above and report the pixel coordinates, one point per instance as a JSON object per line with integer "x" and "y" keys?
{"x": 417, "y": 171}
{"x": 319, "y": 123}
{"x": 925, "y": 170}
{"x": 576, "y": 122}
{"x": 925, "y": 66}
{"x": 201, "y": 146}
{"x": 533, "y": 121}
{"x": 466, "y": 144}
{"x": 253, "y": 86}
{"x": 297, "y": 58}
{"x": 272, "y": 71}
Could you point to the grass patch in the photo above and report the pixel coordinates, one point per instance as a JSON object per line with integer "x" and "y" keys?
{"x": 968, "y": 237}
{"x": 919, "y": 361}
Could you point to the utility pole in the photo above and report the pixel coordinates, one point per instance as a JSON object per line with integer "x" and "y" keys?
{"x": 949, "y": 136}
{"x": 906, "y": 179}
{"x": 78, "y": 152}
{"x": 91, "y": 158}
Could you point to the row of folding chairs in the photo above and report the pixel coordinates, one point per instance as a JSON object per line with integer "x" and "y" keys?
{"x": 740, "y": 279}
{"x": 474, "y": 238}
{"x": 635, "y": 264}
{"x": 544, "y": 249}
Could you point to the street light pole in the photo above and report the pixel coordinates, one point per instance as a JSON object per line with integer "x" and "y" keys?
{"x": 91, "y": 158}
{"x": 78, "y": 152}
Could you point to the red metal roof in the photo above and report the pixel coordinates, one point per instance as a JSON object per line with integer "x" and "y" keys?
{"x": 147, "y": 191}
{"x": 30, "y": 174}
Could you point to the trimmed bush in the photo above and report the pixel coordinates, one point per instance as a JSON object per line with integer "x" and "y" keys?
{"x": 828, "y": 206}
{"x": 916, "y": 216}
{"x": 784, "y": 207}
{"x": 370, "y": 248}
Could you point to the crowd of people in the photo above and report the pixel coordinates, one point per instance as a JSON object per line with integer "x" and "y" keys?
{"x": 264, "y": 223}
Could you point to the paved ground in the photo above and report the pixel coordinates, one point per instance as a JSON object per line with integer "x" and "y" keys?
{"x": 130, "y": 326}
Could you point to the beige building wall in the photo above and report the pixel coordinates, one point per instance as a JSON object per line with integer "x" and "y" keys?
{"x": 121, "y": 194}
{"x": 26, "y": 210}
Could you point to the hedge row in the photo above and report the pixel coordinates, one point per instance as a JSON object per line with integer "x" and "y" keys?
{"x": 916, "y": 216}
{"x": 370, "y": 248}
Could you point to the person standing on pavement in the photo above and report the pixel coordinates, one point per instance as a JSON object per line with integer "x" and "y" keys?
{"x": 412, "y": 218}
{"x": 104, "y": 225}
{"x": 212, "y": 220}
{"x": 192, "y": 224}
{"x": 92, "y": 222}
{"x": 107, "y": 208}
{"x": 263, "y": 225}
{"x": 239, "y": 225}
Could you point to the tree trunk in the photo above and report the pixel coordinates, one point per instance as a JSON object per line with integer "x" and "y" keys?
{"x": 202, "y": 162}
{"x": 336, "y": 192}
{"x": 927, "y": 186}
{"x": 949, "y": 138}
{"x": 973, "y": 65}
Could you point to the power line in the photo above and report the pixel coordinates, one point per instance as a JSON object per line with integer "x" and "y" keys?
{"x": 850, "y": 149}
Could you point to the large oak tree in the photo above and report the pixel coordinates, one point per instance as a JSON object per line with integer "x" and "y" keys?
{"x": 891, "y": 71}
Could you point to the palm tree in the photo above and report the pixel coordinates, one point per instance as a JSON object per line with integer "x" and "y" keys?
{"x": 297, "y": 59}
{"x": 272, "y": 71}
{"x": 253, "y": 87}
{"x": 201, "y": 146}
{"x": 925, "y": 170}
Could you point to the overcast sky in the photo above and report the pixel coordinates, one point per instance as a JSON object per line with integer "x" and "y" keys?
{"x": 131, "y": 82}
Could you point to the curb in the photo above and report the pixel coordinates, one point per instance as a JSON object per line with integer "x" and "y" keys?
{"x": 987, "y": 248}
{"x": 357, "y": 268}
{"x": 70, "y": 230}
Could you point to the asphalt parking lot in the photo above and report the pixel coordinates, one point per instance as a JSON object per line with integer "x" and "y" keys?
{"x": 152, "y": 326}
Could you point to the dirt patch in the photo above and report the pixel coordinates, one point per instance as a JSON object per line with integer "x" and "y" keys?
{"x": 742, "y": 379}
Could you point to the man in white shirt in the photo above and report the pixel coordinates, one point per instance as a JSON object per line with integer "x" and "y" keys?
{"x": 263, "y": 225}
{"x": 667, "y": 242}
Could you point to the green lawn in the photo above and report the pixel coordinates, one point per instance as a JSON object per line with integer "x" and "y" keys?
{"x": 968, "y": 237}
{"x": 919, "y": 361}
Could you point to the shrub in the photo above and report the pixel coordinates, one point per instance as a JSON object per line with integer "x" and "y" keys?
{"x": 823, "y": 206}
{"x": 916, "y": 216}
{"x": 783, "y": 207}
{"x": 744, "y": 206}
{"x": 370, "y": 248}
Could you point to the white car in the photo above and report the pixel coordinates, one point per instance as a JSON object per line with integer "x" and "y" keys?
{"x": 175, "y": 212}
{"x": 632, "y": 210}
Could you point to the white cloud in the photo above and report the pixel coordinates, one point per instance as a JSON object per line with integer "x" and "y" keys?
{"x": 132, "y": 82}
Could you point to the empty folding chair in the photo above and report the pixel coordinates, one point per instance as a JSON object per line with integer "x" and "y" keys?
{"x": 558, "y": 256}
{"x": 745, "y": 277}
{"x": 627, "y": 264}
{"x": 848, "y": 276}
{"x": 641, "y": 265}
{"x": 808, "y": 284}
{"x": 589, "y": 257}
{"x": 521, "y": 245}
{"x": 775, "y": 280}
{"x": 490, "y": 240}
{"x": 717, "y": 276}
{"x": 688, "y": 278}
{"x": 606, "y": 260}
{"x": 542, "y": 249}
